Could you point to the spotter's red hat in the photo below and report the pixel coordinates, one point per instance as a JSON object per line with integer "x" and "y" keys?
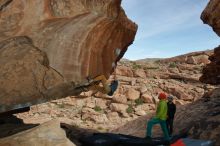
{"x": 162, "y": 96}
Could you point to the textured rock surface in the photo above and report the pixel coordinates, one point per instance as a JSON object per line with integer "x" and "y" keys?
{"x": 47, "y": 134}
{"x": 202, "y": 118}
{"x": 211, "y": 15}
{"x": 78, "y": 36}
{"x": 24, "y": 74}
{"x": 132, "y": 94}
{"x": 211, "y": 73}
{"x": 71, "y": 40}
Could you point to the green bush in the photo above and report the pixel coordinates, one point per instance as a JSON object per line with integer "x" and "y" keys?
{"x": 151, "y": 67}
{"x": 97, "y": 108}
{"x": 100, "y": 128}
{"x": 130, "y": 109}
{"x": 139, "y": 101}
{"x": 136, "y": 66}
{"x": 158, "y": 61}
{"x": 61, "y": 105}
{"x": 172, "y": 65}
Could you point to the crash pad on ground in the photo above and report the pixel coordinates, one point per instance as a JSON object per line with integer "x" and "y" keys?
{"x": 109, "y": 139}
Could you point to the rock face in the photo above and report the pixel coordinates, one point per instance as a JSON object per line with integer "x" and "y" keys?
{"x": 64, "y": 42}
{"x": 211, "y": 15}
{"x": 211, "y": 73}
{"x": 202, "y": 118}
{"x": 47, "y": 134}
{"x": 208, "y": 127}
{"x": 24, "y": 73}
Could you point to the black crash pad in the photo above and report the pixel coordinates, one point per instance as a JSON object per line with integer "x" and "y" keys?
{"x": 109, "y": 139}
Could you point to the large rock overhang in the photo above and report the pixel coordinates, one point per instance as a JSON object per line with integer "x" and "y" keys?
{"x": 47, "y": 47}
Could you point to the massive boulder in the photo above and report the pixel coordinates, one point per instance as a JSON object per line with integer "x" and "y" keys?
{"x": 211, "y": 73}
{"x": 211, "y": 16}
{"x": 47, "y": 47}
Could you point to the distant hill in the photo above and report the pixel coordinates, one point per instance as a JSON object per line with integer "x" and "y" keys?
{"x": 179, "y": 57}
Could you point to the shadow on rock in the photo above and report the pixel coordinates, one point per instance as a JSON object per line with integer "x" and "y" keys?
{"x": 74, "y": 133}
{"x": 10, "y": 125}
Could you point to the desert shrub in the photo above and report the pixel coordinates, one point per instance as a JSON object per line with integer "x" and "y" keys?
{"x": 158, "y": 61}
{"x": 172, "y": 65}
{"x": 136, "y": 66}
{"x": 97, "y": 108}
{"x": 61, "y": 105}
{"x": 151, "y": 67}
{"x": 100, "y": 128}
{"x": 139, "y": 101}
{"x": 130, "y": 109}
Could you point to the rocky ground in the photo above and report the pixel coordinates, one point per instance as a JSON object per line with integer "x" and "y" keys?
{"x": 140, "y": 83}
{"x": 134, "y": 102}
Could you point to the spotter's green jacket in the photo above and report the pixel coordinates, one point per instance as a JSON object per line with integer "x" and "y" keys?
{"x": 161, "y": 112}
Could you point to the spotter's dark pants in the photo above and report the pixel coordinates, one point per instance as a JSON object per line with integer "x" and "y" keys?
{"x": 170, "y": 125}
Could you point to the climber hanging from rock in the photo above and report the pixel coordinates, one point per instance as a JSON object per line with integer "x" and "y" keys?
{"x": 94, "y": 85}
{"x": 106, "y": 88}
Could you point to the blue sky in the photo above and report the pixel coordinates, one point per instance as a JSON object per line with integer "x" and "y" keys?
{"x": 168, "y": 28}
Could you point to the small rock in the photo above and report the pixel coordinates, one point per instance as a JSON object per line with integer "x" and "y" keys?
{"x": 191, "y": 60}
{"x": 132, "y": 94}
{"x": 147, "y": 98}
{"x": 143, "y": 89}
{"x": 117, "y": 107}
{"x": 144, "y": 107}
{"x": 140, "y": 73}
{"x": 92, "y": 115}
{"x": 114, "y": 117}
{"x": 133, "y": 82}
{"x": 125, "y": 114}
{"x": 124, "y": 71}
{"x": 140, "y": 113}
{"x": 90, "y": 102}
{"x": 120, "y": 98}
{"x": 102, "y": 103}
